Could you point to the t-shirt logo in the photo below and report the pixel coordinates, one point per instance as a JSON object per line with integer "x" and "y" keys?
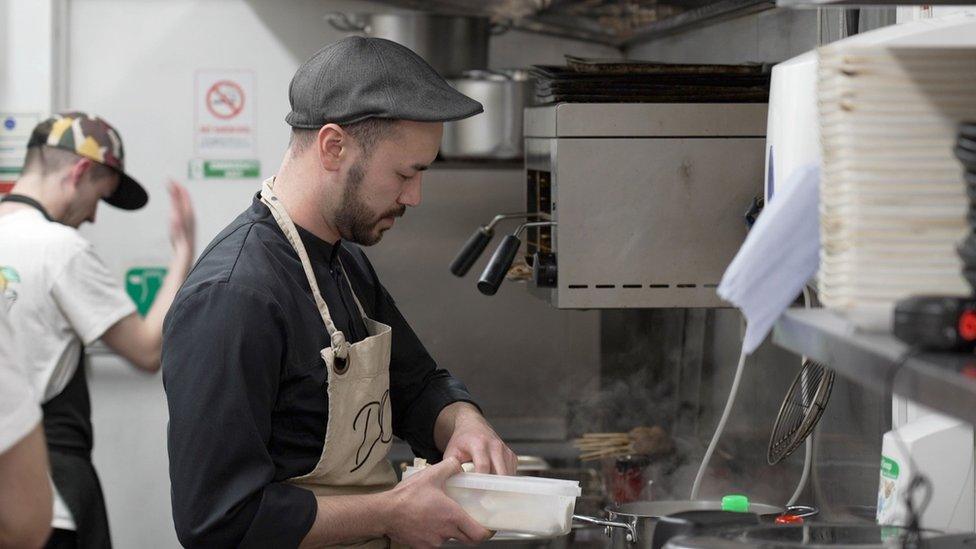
{"x": 8, "y": 276}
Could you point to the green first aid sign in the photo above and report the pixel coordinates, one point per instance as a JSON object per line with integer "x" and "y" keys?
{"x": 142, "y": 284}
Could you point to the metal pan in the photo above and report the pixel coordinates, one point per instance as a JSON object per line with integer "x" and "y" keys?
{"x": 631, "y": 525}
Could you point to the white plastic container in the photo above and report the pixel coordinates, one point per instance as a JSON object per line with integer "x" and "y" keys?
{"x": 528, "y": 505}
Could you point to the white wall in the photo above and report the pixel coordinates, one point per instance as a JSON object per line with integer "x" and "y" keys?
{"x": 27, "y": 51}
{"x": 31, "y": 74}
{"x": 137, "y": 71}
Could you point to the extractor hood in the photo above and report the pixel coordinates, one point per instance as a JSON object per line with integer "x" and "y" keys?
{"x": 618, "y": 23}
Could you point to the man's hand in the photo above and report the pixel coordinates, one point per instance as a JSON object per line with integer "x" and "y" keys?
{"x": 467, "y": 436}
{"x": 421, "y": 515}
{"x": 140, "y": 340}
{"x": 182, "y": 224}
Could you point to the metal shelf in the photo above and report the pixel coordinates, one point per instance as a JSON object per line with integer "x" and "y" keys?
{"x": 609, "y": 22}
{"x": 475, "y": 164}
{"x": 943, "y": 381}
{"x": 861, "y": 3}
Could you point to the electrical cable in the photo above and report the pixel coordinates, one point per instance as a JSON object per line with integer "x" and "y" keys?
{"x": 807, "y": 465}
{"x": 808, "y": 444}
{"x": 721, "y": 426}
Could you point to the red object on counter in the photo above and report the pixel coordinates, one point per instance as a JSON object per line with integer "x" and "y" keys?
{"x": 627, "y": 480}
{"x": 967, "y": 325}
{"x": 789, "y": 519}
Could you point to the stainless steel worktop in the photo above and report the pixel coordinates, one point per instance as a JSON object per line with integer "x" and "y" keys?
{"x": 882, "y": 363}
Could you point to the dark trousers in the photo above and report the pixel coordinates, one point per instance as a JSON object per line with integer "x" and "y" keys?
{"x": 76, "y": 481}
{"x": 62, "y": 539}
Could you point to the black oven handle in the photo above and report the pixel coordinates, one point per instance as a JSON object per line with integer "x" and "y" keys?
{"x": 501, "y": 261}
{"x": 477, "y": 242}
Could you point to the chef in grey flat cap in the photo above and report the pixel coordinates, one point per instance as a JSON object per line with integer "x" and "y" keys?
{"x": 288, "y": 368}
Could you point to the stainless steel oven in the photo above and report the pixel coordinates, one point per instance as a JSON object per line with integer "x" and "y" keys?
{"x": 646, "y": 201}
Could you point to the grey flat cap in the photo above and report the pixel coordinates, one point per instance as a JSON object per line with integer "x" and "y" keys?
{"x": 358, "y": 78}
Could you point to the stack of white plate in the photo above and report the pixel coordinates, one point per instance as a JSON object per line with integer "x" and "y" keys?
{"x": 892, "y": 199}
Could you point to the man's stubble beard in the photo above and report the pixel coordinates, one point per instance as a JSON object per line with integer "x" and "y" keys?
{"x": 354, "y": 221}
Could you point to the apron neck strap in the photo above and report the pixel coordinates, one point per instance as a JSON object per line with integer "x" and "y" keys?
{"x": 339, "y": 344}
{"x": 362, "y": 312}
{"x": 21, "y": 199}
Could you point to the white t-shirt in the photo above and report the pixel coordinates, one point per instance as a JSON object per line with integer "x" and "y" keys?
{"x": 59, "y": 295}
{"x": 19, "y": 409}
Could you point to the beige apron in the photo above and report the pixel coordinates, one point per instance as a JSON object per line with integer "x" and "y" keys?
{"x": 360, "y": 426}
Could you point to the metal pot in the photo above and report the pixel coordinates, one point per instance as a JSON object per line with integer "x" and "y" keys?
{"x": 496, "y": 133}
{"x": 632, "y": 524}
{"x": 581, "y": 536}
{"x": 451, "y": 44}
{"x": 509, "y": 540}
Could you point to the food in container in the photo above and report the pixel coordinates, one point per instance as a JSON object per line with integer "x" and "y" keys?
{"x": 528, "y": 505}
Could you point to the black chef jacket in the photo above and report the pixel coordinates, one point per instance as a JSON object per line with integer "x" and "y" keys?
{"x": 246, "y": 385}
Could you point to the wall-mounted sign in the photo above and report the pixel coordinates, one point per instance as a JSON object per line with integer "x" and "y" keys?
{"x": 15, "y": 130}
{"x": 224, "y": 133}
{"x": 224, "y": 169}
{"x": 224, "y": 114}
{"x": 142, "y": 284}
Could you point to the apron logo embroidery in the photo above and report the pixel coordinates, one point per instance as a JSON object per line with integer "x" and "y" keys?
{"x": 377, "y": 409}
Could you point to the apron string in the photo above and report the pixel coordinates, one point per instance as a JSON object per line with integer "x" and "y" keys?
{"x": 339, "y": 344}
{"x": 362, "y": 311}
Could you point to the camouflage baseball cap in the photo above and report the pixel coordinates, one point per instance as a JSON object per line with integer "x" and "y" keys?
{"x": 91, "y": 137}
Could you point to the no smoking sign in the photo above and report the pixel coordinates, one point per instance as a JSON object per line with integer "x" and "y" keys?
{"x": 225, "y": 99}
{"x": 225, "y": 127}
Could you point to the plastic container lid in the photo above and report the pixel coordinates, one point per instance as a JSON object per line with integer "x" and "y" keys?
{"x": 500, "y": 483}
{"x": 736, "y": 503}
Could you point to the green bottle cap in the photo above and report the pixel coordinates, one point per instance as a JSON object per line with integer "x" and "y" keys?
{"x": 736, "y": 503}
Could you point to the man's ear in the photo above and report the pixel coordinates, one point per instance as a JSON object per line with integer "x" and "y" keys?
{"x": 77, "y": 171}
{"x": 332, "y": 144}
